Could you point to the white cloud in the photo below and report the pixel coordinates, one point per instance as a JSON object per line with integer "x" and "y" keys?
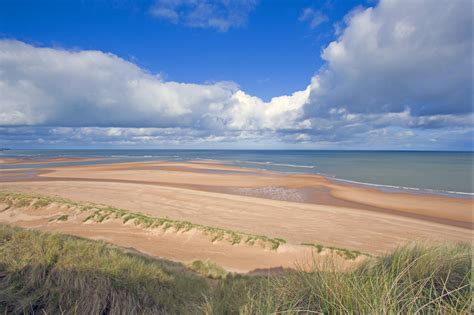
{"x": 283, "y": 112}
{"x": 217, "y": 14}
{"x": 400, "y": 71}
{"x": 399, "y": 54}
{"x": 44, "y": 86}
{"x": 53, "y": 87}
{"x": 313, "y": 17}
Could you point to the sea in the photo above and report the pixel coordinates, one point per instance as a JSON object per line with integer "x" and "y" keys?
{"x": 425, "y": 172}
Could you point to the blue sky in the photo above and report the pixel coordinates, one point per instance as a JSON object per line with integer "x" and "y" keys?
{"x": 272, "y": 54}
{"x": 202, "y": 73}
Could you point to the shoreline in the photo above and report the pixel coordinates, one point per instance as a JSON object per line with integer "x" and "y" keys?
{"x": 20, "y": 163}
{"x": 299, "y": 208}
{"x": 301, "y": 188}
{"x": 320, "y": 195}
{"x": 408, "y": 190}
{"x": 6, "y": 161}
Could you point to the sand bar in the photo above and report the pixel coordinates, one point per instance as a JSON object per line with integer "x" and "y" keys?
{"x": 248, "y": 201}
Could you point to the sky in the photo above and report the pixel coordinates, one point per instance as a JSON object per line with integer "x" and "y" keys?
{"x": 237, "y": 74}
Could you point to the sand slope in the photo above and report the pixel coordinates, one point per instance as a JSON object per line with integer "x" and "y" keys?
{"x": 208, "y": 193}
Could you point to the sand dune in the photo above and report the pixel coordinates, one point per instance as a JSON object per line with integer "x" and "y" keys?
{"x": 211, "y": 194}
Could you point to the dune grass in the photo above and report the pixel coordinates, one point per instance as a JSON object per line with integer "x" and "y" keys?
{"x": 414, "y": 279}
{"x": 100, "y": 213}
{"x": 53, "y": 274}
{"x": 43, "y": 273}
{"x": 343, "y": 252}
{"x": 208, "y": 269}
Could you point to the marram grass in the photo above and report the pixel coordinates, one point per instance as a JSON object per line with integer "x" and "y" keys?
{"x": 99, "y": 213}
{"x": 208, "y": 269}
{"x": 417, "y": 278}
{"x": 43, "y": 273}
{"x": 343, "y": 252}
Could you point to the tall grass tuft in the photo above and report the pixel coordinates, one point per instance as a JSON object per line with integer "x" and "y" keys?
{"x": 54, "y": 274}
{"x": 415, "y": 279}
{"x": 43, "y": 273}
{"x": 208, "y": 269}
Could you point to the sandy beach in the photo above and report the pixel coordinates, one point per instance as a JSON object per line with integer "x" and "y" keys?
{"x": 297, "y": 208}
{"x": 29, "y": 160}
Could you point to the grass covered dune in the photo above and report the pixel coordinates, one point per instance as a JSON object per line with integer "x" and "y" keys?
{"x": 52, "y": 273}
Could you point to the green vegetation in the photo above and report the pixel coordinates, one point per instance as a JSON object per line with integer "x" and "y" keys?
{"x": 44, "y": 273}
{"x": 414, "y": 279}
{"x": 208, "y": 269}
{"x": 343, "y": 252}
{"x": 150, "y": 222}
{"x": 99, "y": 213}
{"x": 63, "y": 217}
{"x": 51, "y": 273}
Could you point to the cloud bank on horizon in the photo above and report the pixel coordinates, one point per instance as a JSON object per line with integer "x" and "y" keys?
{"x": 398, "y": 76}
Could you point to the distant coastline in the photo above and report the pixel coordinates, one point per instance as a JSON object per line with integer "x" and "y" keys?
{"x": 447, "y": 173}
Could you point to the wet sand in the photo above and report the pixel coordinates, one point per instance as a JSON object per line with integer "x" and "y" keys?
{"x": 228, "y": 179}
{"x": 30, "y": 160}
{"x": 298, "y": 208}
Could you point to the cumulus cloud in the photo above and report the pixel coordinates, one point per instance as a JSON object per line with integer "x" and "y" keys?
{"x": 400, "y": 54}
{"x": 399, "y": 74}
{"x": 216, "y": 14}
{"x": 54, "y": 87}
{"x": 44, "y": 86}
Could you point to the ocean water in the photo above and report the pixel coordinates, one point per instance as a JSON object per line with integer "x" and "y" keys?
{"x": 424, "y": 172}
